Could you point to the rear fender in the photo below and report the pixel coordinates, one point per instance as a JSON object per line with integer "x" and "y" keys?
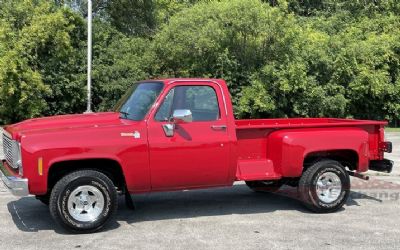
{"x": 289, "y": 148}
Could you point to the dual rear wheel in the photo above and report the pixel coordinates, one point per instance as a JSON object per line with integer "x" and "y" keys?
{"x": 324, "y": 187}
{"x": 264, "y": 186}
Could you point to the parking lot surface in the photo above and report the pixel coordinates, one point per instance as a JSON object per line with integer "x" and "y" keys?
{"x": 223, "y": 218}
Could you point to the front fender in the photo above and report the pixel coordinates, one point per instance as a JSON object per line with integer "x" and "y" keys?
{"x": 288, "y": 148}
{"x": 107, "y": 143}
{"x": 38, "y": 172}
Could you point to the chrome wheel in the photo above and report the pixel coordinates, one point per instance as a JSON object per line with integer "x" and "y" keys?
{"x": 86, "y": 203}
{"x": 328, "y": 187}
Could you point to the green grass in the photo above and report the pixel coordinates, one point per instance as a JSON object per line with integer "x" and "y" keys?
{"x": 392, "y": 129}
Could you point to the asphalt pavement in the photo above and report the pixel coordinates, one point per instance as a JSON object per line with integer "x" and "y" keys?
{"x": 222, "y": 218}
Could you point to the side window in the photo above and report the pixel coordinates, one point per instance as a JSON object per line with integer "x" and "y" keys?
{"x": 165, "y": 111}
{"x": 200, "y": 100}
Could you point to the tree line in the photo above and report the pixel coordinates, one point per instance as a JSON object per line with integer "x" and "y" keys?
{"x": 280, "y": 58}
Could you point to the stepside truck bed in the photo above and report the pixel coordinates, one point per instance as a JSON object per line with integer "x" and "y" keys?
{"x": 271, "y": 149}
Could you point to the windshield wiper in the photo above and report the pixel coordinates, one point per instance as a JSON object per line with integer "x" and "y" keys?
{"x": 124, "y": 113}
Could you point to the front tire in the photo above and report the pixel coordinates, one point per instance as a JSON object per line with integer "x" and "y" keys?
{"x": 83, "y": 201}
{"x": 325, "y": 186}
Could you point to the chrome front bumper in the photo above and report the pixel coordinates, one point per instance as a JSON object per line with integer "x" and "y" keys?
{"x": 18, "y": 186}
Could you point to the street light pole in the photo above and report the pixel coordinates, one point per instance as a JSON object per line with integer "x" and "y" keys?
{"x": 89, "y": 58}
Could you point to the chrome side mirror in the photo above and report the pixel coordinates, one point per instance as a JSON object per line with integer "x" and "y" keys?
{"x": 182, "y": 116}
{"x": 179, "y": 116}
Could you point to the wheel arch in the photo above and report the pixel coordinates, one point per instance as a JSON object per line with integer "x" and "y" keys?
{"x": 347, "y": 157}
{"x": 110, "y": 167}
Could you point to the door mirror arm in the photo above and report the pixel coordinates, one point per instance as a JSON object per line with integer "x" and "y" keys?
{"x": 169, "y": 129}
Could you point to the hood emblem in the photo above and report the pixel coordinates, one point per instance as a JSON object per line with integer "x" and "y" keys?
{"x": 135, "y": 135}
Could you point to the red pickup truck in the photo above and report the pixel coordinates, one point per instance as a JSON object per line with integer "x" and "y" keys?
{"x": 178, "y": 134}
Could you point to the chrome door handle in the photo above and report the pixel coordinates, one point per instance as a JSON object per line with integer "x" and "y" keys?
{"x": 218, "y": 127}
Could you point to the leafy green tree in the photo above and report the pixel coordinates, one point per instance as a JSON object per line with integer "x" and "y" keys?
{"x": 281, "y": 58}
{"x": 132, "y": 17}
{"x": 118, "y": 62}
{"x": 39, "y": 61}
{"x": 334, "y": 7}
{"x": 219, "y": 39}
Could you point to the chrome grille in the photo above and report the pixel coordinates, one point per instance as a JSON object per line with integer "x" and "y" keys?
{"x": 9, "y": 150}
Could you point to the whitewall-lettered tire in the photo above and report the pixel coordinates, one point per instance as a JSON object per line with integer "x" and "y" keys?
{"x": 325, "y": 186}
{"x": 83, "y": 201}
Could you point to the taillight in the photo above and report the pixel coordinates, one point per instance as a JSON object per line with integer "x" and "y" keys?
{"x": 385, "y": 146}
{"x": 382, "y": 134}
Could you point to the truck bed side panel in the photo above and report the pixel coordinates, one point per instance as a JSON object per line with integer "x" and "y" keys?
{"x": 272, "y": 153}
{"x": 289, "y": 148}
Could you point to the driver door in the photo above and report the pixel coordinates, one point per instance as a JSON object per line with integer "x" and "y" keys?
{"x": 197, "y": 154}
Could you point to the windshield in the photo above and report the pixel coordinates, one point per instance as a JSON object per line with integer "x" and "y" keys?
{"x": 135, "y": 104}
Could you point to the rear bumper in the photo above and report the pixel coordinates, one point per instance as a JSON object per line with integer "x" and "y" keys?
{"x": 384, "y": 165}
{"x": 18, "y": 186}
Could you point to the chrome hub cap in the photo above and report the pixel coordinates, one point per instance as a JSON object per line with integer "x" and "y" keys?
{"x": 329, "y": 187}
{"x": 85, "y": 203}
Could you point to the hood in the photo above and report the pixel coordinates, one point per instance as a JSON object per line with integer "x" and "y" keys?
{"x": 63, "y": 122}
